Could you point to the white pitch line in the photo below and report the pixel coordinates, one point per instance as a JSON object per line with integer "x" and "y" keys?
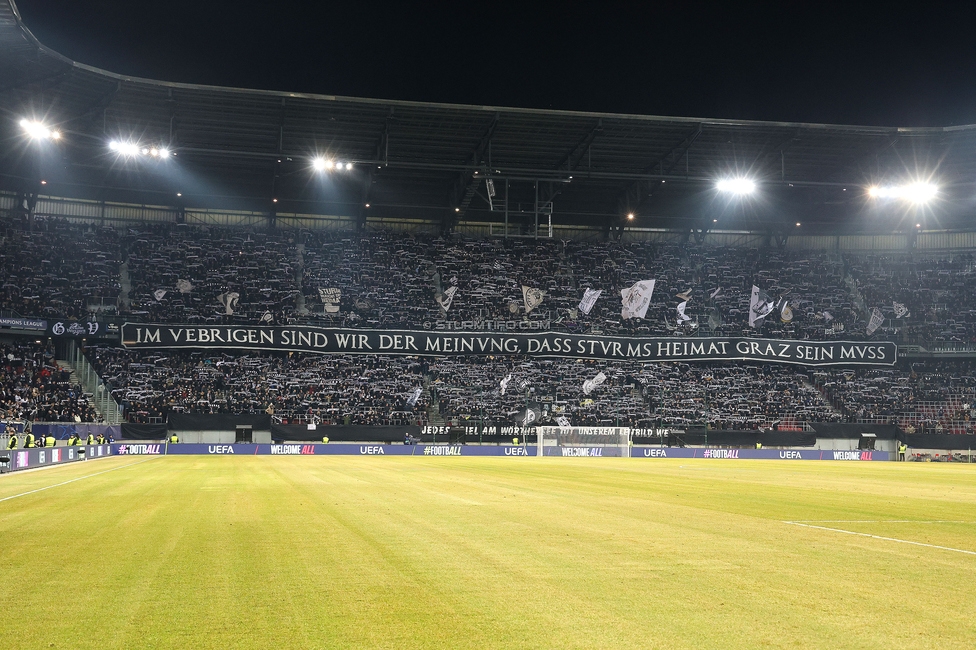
{"x": 878, "y": 521}
{"x": 23, "y": 494}
{"x": 887, "y": 539}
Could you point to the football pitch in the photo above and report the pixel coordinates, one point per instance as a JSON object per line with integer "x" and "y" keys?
{"x": 409, "y": 552}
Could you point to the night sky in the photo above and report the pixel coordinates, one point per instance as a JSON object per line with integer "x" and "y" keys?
{"x": 897, "y": 64}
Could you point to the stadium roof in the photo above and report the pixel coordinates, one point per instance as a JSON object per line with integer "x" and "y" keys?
{"x": 253, "y": 149}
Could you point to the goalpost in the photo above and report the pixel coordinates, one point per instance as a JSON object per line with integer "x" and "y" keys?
{"x": 583, "y": 441}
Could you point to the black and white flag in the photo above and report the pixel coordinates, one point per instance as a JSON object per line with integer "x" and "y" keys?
{"x": 503, "y": 384}
{"x": 900, "y": 310}
{"x": 529, "y": 415}
{"x": 266, "y": 317}
{"x": 532, "y": 297}
{"x": 715, "y": 294}
{"x": 414, "y": 396}
{"x": 636, "y": 299}
{"x": 715, "y": 318}
{"x": 229, "y": 301}
{"x": 330, "y": 297}
{"x": 591, "y": 384}
{"x": 589, "y": 299}
{"x": 682, "y": 316}
{"x": 877, "y": 318}
{"x": 827, "y": 316}
{"x": 760, "y": 306}
{"x": 363, "y": 304}
{"x": 184, "y": 286}
{"x": 159, "y": 294}
{"x": 786, "y": 312}
{"x": 686, "y": 296}
{"x": 563, "y": 422}
{"x": 446, "y": 298}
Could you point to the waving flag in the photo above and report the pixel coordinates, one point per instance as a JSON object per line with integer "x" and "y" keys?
{"x": 637, "y": 299}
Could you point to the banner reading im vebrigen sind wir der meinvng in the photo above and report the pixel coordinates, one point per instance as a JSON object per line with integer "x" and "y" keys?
{"x": 321, "y": 340}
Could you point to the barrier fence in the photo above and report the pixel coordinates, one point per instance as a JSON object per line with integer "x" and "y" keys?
{"x": 342, "y": 449}
{"x": 18, "y": 459}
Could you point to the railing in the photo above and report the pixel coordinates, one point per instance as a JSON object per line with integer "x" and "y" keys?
{"x": 92, "y": 383}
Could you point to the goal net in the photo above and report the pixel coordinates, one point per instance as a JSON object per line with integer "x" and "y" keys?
{"x": 583, "y": 441}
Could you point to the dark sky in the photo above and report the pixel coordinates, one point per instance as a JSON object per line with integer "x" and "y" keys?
{"x": 896, "y": 64}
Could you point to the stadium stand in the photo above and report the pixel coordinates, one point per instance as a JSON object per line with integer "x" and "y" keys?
{"x": 34, "y": 387}
{"x": 175, "y": 273}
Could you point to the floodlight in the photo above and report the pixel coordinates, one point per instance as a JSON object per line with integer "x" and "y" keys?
{"x": 348, "y": 166}
{"x": 630, "y": 215}
{"x": 919, "y": 192}
{"x": 319, "y": 164}
{"x": 164, "y": 153}
{"x": 154, "y": 152}
{"x": 329, "y": 164}
{"x": 797, "y": 224}
{"x": 736, "y": 186}
{"x": 124, "y": 148}
{"x": 38, "y": 131}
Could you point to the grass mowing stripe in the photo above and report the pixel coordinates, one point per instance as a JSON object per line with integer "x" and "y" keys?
{"x": 887, "y": 539}
{"x": 48, "y": 487}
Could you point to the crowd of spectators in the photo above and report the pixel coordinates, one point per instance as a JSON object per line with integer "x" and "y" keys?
{"x": 329, "y": 389}
{"x": 58, "y": 269}
{"x": 175, "y": 273}
{"x": 34, "y": 387}
{"x": 934, "y": 396}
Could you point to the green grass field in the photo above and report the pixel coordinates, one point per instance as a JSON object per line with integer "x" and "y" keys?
{"x": 407, "y": 552}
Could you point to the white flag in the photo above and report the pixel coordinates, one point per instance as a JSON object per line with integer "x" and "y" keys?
{"x": 786, "y": 312}
{"x": 414, "y": 396}
{"x": 504, "y": 382}
{"x": 636, "y": 299}
{"x": 330, "y": 297}
{"x": 184, "y": 286}
{"x": 686, "y": 296}
{"x": 682, "y": 316}
{"x": 715, "y": 294}
{"x": 877, "y": 318}
{"x": 229, "y": 301}
{"x": 760, "y": 306}
{"x": 589, "y": 299}
{"x": 266, "y": 317}
{"x": 159, "y": 294}
{"x": 590, "y": 384}
{"x": 532, "y": 297}
{"x": 445, "y": 299}
{"x": 827, "y": 316}
{"x": 900, "y": 310}
{"x": 563, "y": 422}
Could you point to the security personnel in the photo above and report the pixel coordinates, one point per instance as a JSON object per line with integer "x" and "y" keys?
{"x": 12, "y": 441}
{"x": 902, "y": 450}
{"x": 29, "y": 439}
{"x": 758, "y": 445}
{"x": 515, "y": 441}
{"x": 73, "y": 440}
{"x": 325, "y": 440}
{"x": 50, "y": 441}
{"x": 174, "y": 439}
{"x": 91, "y": 439}
{"x": 100, "y": 439}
